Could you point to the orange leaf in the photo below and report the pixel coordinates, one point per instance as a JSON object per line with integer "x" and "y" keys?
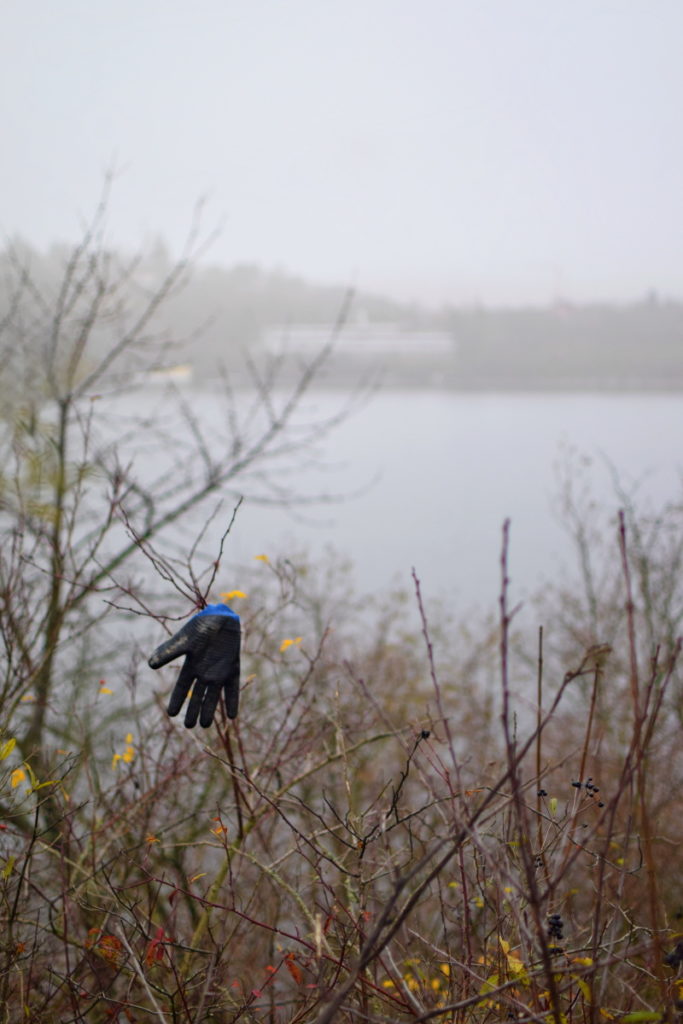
{"x": 293, "y": 968}
{"x": 108, "y": 947}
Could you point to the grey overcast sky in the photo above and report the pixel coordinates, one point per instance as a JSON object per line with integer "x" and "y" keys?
{"x": 440, "y": 150}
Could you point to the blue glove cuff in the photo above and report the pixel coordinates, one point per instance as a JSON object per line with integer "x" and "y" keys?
{"x": 218, "y": 609}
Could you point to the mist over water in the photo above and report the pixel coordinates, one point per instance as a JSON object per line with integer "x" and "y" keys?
{"x": 425, "y": 479}
{"x": 501, "y": 180}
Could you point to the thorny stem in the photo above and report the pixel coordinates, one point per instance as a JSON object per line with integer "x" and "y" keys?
{"x": 514, "y": 764}
{"x": 630, "y": 608}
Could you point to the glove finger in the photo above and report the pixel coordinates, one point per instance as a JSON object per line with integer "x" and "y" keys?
{"x": 181, "y": 688}
{"x": 195, "y": 704}
{"x": 231, "y": 689}
{"x": 209, "y": 705}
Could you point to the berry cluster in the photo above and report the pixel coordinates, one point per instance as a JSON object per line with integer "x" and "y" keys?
{"x": 675, "y": 957}
{"x": 591, "y": 790}
{"x": 555, "y": 932}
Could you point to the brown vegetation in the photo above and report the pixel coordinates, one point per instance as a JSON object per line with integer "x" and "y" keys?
{"x": 412, "y": 819}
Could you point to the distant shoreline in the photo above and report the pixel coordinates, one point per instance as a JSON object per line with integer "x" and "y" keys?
{"x": 349, "y": 380}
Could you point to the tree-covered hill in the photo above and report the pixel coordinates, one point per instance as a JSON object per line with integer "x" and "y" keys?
{"x": 225, "y": 309}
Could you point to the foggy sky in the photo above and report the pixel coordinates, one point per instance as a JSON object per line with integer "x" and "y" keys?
{"x": 440, "y": 150}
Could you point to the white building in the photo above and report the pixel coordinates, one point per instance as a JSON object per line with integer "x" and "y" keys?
{"x": 360, "y": 339}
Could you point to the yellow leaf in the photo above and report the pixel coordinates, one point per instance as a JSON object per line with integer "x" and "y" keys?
{"x": 289, "y": 642}
{"x": 584, "y": 988}
{"x": 7, "y": 870}
{"x": 7, "y": 748}
{"x": 17, "y": 776}
{"x": 105, "y": 689}
{"x": 489, "y": 985}
{"x": 27, "y": 698}
{"x": 128, "y": 755}
{"x": 115, "y": 759}
{"x": 515, "y": 964}
{"x": 202, "y": 874}
{"x": 261, "y": 558}
{"x": 229, "y": 594}
{"x": 552, "y": 805}
{"x": 445, "y": 969}
{"x": 151, "y": 839}
{"x": 129, "y": 737}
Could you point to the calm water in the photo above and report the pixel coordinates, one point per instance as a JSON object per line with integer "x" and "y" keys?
{"x": 431, "y": 476}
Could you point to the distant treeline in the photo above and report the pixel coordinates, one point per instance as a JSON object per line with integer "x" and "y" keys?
{"x": 601, "y": 347}
{"x": 224, "y": 311}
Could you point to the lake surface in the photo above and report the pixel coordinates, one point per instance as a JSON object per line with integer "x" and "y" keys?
{"x": 429, "y": 478}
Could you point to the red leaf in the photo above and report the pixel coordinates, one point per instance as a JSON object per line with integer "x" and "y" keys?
{"x": 155, "y": 950}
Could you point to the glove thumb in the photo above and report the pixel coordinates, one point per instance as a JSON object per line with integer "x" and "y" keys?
{"x": 179, "y": 643}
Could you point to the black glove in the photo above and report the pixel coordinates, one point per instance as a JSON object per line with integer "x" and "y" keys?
{"x": 211, "y": 643}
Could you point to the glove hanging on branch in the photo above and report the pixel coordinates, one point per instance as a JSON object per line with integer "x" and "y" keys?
{"x": 210, "y": 642}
